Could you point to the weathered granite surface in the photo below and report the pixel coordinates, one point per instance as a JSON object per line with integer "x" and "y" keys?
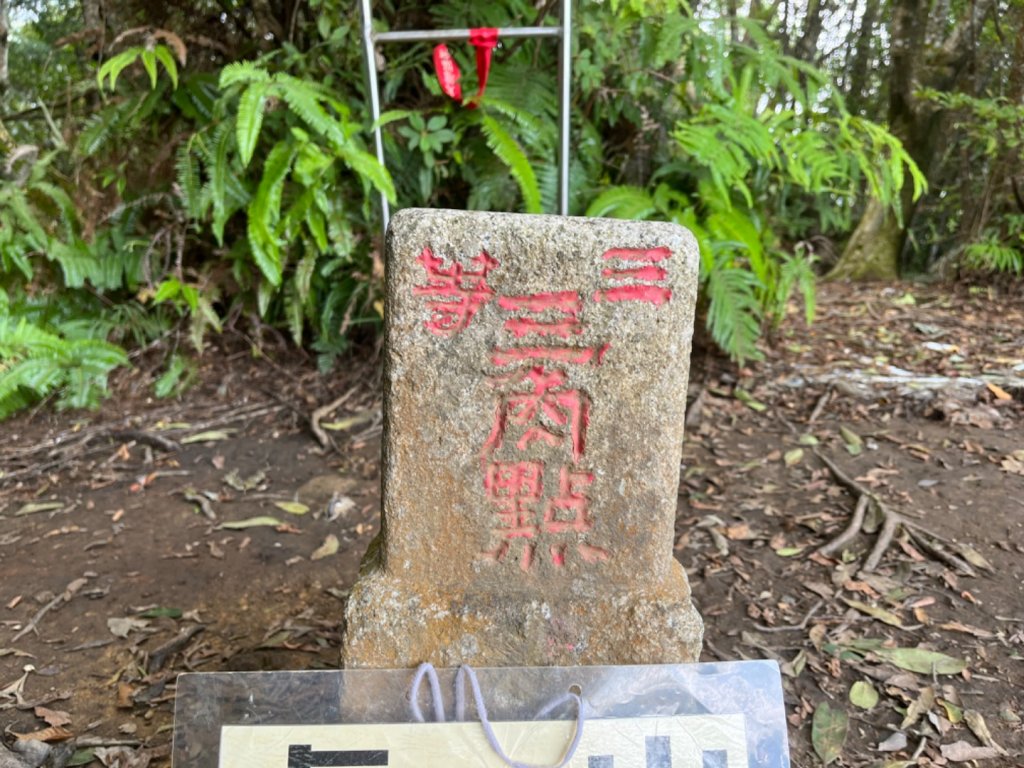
{"x": 535, "y": 388}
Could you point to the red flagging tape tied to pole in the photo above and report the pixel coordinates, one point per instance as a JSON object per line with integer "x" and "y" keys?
{"x": 484, "y": 39}
{"x": 448, "y": 73}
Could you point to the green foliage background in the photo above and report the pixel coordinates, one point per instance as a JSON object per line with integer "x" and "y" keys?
{"x": 167, "y": 178}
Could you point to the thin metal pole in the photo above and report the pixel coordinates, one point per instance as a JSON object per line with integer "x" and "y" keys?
{"x": 372, "y": 90}
{"x": 430, "y": 35}
{"x": 565, "y": 80}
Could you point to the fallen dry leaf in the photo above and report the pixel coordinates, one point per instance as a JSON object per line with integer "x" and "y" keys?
{"x": 956, "y": 626}
{"x": 122, "y": 757}
{"x": 328, "y": 548}
{"x": 53, "y": 717}
{"x": 962, "y": 752}
{"x": 46, "y": 734}
{"x": 979, "y": 728}
{"x": 999, "y": 392}
{"x": 123, "y": 626}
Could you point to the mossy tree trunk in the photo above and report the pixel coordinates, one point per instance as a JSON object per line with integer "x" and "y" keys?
{"x": 923, "y": 55}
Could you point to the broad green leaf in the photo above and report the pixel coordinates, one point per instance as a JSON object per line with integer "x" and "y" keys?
{"x": 148, "y": 59}
{"x": 623, "y": 202}
{"x": 38, "y": 506}
{"x": 887, "y": 617}
{"x": 158, "y": 613}
{"x": 292, "y": 507}
{"x": 210, "y": 436}
{"x": 863, "y": 695}
{"x": 250, "y": 120}
{"x": 828, "y": 732}
{"x": 164, "y": 56}
{"x": 748, "y": 400}
{"x": 922, "y": 661}
{"x": 251, "y": 522}
{"x": 793, "y": 457}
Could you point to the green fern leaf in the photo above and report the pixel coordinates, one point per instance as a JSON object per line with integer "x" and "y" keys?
{"x": 734, "y": 314}
{"x": 219, "y": 173}
{"x": 265, "y": 210}
{"x": 303, "y": 98}
{"x": 189, "y": 183}
{"x": 250, "y": 119}
{"x": 242, "y": 72}
{"x": 509, "y": 152}
{"x": 367, "y": 167}
{"x": 164, "y": 56}
{"x": 624, "y": 202}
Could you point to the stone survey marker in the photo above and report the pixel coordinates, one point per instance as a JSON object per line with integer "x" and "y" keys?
{"x": 535, "y": 388}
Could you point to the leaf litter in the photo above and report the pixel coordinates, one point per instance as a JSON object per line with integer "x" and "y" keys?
{"x": 756, "y": 504}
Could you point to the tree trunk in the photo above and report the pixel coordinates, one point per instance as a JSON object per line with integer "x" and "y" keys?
{"x": 5, "y": 24}
{"x": 874, "y": 248}
{"x": 876, "y": 245}
{"x": 858, "y": 90}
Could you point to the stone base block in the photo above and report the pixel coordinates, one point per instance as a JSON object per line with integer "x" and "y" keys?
{"x": 396, "y": 625}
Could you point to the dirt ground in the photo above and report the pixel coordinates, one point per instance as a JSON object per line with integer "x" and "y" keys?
{"x": 214, "y": 533}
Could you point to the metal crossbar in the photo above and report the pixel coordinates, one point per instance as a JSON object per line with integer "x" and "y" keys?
{"x": 562, "y": 32}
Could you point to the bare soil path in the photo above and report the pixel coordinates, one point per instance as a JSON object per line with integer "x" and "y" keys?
{"x": 216, "y": 533}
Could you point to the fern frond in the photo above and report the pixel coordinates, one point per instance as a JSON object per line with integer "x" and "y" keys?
{"x": 250, "y": 119}
{"x": 734, "y": 313}
{"x": 242, "y": 72}
{"x": 623, "y": 202}
{"x": 511, "y": 154}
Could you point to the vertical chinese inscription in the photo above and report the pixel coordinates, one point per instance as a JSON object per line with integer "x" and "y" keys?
{"x": 542, "y": 505}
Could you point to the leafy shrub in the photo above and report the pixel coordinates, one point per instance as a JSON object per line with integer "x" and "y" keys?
{"x": 758, "y": 140}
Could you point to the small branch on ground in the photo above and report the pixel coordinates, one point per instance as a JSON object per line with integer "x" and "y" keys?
{"x": 146, "y": 438}
{"x": 325, "y": 410}
{"x": 892, "y": 523}
{"x": 63, "y": 597}
{"x": 793, "y": 627}
{"x": 158, "y": 656}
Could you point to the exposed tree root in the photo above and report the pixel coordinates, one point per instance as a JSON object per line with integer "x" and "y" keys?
{"x": 892, "y": 523}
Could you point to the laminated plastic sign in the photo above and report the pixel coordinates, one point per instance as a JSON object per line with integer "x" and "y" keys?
{"x": 722, "y": 715}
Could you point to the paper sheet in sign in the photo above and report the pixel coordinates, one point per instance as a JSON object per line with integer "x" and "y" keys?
{"x": 685, "y": 741}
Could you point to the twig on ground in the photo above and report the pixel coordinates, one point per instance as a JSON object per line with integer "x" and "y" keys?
{"x": 325, "y": 410}
{"x": 892, "y": 522}
{"x": 793, "y": 627}
{"x": 159, "y": 442}
{"x": 158, "y": 656}
{"x": 63, "y": 597}
{"x": 820, "y": 405}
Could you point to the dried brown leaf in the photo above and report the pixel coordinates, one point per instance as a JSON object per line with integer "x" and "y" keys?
{"x": 46, "y": 734}
{"x": 979, "y": 728}
{"x": 962, "y": 752}
{"x": 53, "y": 717}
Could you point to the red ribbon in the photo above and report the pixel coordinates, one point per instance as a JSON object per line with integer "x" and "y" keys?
{"x": 484, "y": 39}
{"x": 448, "y": 73}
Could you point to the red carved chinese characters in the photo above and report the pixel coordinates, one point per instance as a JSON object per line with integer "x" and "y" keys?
{"x": 534, "y": 458}
{"x": 540, "y": 411}
{"x": 548, "y": 411}
{"x": 641, "y": 265}
{"x": 456, "y": 294}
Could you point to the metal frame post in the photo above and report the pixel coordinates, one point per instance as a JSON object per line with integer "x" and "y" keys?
{"x": 565, "y": 82}
{"x": 564, "y": 34}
